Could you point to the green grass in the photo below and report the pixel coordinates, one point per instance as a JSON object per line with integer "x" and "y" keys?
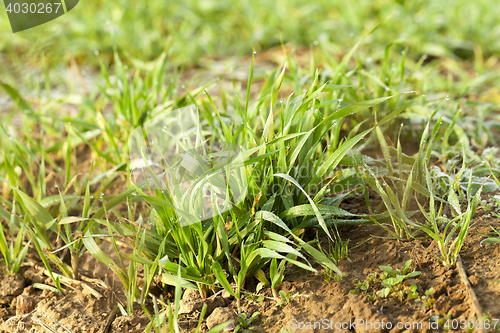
{"x": 454, "y": 29}
{"x": 403, "y": 106}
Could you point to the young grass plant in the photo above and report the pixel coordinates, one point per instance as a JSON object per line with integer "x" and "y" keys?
{"x": 277, "y": 274}
{"x": 244, "y": 322}
{"x": 67, "y": 228}
{"x": 41, "y": 221}
{"x": 493, "y": 237}
{"x": 339, "y": 249}
{"x": 444, "y": 230}
{"x": 400, "y": 183}
{"x": 13, "y": 252}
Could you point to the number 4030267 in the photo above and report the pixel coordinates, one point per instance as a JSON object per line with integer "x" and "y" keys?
{"x": 39, "y": 8}
{"x": 470, "y": 324}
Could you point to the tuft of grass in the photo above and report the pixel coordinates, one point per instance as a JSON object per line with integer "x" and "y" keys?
{"x": 13, "y": 252}
{"x": 444, "y": 230}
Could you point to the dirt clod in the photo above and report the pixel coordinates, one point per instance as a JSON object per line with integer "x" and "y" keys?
{"x": 443, "y": 304}
{"x": 12, "y": 285}
{"x": 24, "y": 305}
{"x": 129, "y": 324}
{"x": 474, "y": 280}
{"x": 191, "y": 295}
{"x": 190, "y": 302}
{"x": 219, "y": 316}
{"x": 213, "y": 303}
{"x": 226, "y": 295}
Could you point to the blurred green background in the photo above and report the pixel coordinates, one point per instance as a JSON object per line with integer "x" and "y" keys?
{"x": 222, "y": 29}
